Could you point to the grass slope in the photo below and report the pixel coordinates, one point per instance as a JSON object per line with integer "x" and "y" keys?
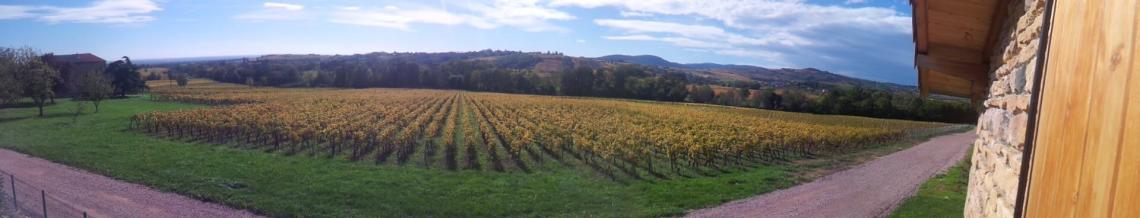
{"x": 279, "y": 185}
{"x": 941, "y": 196}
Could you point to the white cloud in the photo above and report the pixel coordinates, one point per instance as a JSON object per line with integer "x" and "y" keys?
{"x": 850, "y": 2}
{"x": 643, "y": 26}
{"x": 275, "y": 11}
{"x": 678, "y": 41}
{"x": 634, "y": 14}
{"x": 783, "y": 15}
{"x": 580, "y": 41}
{"x": 103, "y": 11}
{"x": 283, "y": 6}
{"x": 632, "y": 38}
{"x": 15, "y": 12}
{"x": 525, "y": 14}
{"x": 709, "y": 33}
{"x": 871, "y": 40}
{"x": 753, "y": 53}
{"x": 401, "y": 19}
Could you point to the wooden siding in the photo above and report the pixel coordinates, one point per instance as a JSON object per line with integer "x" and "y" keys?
{"x": 1086, "y": 155}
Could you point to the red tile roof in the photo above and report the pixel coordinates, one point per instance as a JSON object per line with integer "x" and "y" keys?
{"x": 75, "y": 58}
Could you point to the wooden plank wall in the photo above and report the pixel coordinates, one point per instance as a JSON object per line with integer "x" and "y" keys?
{"x": 1086, "y": 160}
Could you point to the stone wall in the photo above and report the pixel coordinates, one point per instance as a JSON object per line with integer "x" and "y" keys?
{"x": 1002, "y": 126}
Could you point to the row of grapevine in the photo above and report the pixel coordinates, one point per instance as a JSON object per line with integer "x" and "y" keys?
{"x": 505, "y": 132}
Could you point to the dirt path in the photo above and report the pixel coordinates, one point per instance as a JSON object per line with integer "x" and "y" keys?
{"x": 98, "y": 195}
{"x": 872, "y": 189}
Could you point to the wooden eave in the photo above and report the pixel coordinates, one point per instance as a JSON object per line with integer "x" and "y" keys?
{"x": 953, "y": 42}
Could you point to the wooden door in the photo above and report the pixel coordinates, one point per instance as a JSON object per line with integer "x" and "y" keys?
{"x": 1086, "y": 152}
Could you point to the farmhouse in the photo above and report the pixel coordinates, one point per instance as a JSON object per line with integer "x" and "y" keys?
{"x": 1056, "y": 80}
{"x": 72, "y": 64}
{"x": 75, "y": 62}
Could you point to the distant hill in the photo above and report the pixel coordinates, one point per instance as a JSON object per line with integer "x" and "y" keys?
{"x": 649, "y": 60}
{"x": 548, "y": 63}
{"x": 771, "y": 77}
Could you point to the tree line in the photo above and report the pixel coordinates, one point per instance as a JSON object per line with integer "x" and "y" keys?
{"x": 512, "y": 75}
{"x": 25, "y": 74}
{"x": 856, "y": 100}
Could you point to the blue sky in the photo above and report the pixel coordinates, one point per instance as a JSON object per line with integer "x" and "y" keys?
{"x": 863, "y": 38}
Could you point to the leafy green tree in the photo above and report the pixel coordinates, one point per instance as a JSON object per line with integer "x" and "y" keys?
{"x": 36, "y": 77}
{"x": 91, "y": 86}
{"x": 11, "y": 89}
{"x": 702, "y": 94}
{"x": 578, "y": 82}
{"x": 770, "y": 100}
{"x": 742, "y": 95}
{"x": 795, "y": 101}
{"x": 754, "y": 100}
{"x": 125, "y": 77}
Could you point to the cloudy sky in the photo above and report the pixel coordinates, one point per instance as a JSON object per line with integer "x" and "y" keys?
{"x": 862, "y": 38}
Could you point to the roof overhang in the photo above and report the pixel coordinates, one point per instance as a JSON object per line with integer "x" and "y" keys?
{"x": 953, "y": 42}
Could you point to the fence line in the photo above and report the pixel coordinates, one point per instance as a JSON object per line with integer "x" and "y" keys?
{"x": 25, "y": 199}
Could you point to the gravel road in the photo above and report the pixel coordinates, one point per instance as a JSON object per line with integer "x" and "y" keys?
{"x": 98, "y": 195}
{"x": 872, "y": 189}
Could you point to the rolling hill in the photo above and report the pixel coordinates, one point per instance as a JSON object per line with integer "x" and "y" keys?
{"x": 551, "y": 62}
{"x": 770, "y": 76}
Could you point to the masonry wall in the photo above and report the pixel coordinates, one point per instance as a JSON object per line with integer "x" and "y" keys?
{"x": 1002, "y": 126}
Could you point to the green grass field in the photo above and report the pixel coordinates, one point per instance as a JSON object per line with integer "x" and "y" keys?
{"x": 278, "y": 185}
{"x": 941, "y": 196}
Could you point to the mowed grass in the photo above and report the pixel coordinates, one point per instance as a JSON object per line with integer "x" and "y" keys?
{"x": 941, "y": 196}
{"x": 301, "y": 186}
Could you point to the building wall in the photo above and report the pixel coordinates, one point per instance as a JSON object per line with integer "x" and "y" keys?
{"x": 1002, "y": 126}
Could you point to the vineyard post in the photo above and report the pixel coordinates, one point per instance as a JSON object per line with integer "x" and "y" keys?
{"x": 43, "y": 200}
{"x": 12, "y": 178}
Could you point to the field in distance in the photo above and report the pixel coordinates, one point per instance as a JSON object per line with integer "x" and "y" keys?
{"x": 456, "y": 130}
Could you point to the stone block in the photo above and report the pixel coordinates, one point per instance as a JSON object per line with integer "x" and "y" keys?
{"x": 1017, "y": 80}
{"x": 1030, "y": 74}
{"x": 1016, "y": 134}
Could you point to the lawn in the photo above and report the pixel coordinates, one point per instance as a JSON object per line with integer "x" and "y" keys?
{"x": 941, "y": 196}
{"x": 279, "y": 185}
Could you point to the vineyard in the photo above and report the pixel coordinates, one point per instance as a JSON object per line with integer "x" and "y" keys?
{"x": 457, "y": 130}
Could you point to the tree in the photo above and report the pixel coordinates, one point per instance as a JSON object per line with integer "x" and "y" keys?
{"x": 795, "y": 101}
{"x": 742, "y": 95}
{"x": 578, "y": 82}
{"x": 702, "y": 94}
{"x": 755, "y": 100}
{"x": 91, "y": 86}
{"x": 153, "y": 76}
{"x": 11, "y": 89}
{"x": 125, "y": 77}
{"x": 182, "y": 79}
{"x": 772, "y": 100}
{"x": 37, "y": 78}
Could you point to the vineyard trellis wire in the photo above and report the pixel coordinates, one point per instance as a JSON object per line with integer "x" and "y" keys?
{"x": 507, "y": 132}
{"x": 21, "y": 198}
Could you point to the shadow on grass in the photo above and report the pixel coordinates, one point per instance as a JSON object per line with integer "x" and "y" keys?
{"x": 22, "y": 104}
{"x": 33, "y": 116}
